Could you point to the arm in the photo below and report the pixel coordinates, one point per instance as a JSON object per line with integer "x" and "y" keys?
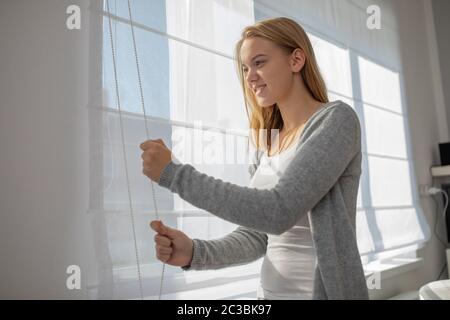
{"x": 327, "y": 146}
{"x": 239, "y": 247}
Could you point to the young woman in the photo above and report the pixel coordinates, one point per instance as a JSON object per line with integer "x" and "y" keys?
{"x": 299, "y": 214}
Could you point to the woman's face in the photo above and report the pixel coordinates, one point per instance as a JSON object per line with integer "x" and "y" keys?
{"x": 268, "y": 70}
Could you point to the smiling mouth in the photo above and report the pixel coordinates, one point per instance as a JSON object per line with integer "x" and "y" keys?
{"x": 260, "y": 89}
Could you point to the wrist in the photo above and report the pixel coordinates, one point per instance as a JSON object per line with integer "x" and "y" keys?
{"x": 167, "y": 174}
{"x": 187, "y": 266}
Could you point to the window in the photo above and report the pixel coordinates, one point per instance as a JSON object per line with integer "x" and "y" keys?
{"x": 363, "y": 69}
{"x": 188, "y": 74}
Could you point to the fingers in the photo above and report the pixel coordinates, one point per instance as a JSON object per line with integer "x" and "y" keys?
{"x": 154, "y": 225}
{"x": 163, "y": 253}
{"x": 163, "y": 241}
{"x": 162, "y": 229}
{"x": 163, "y": 250}
{"x": 158, "y": 226}
{"x": 145, "y": 145}
{"x": 163, "y": 258}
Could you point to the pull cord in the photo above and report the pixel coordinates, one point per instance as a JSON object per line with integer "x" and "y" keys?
{"x": 141, "y": 91}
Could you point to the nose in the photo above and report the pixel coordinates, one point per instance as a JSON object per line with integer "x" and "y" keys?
{"x": 251, "y": 76}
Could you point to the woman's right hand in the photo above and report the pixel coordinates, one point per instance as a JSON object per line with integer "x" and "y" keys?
{"x": 172, "y": 246}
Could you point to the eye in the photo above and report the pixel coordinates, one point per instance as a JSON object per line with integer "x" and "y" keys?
{"x": 257, "y": 63}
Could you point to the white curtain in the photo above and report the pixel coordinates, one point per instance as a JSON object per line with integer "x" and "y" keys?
{"x": 193, "y": 99}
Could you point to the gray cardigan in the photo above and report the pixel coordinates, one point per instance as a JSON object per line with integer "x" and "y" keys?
{"x": 321, "y": 181}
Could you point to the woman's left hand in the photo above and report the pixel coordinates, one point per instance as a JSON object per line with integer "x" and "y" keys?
{"x": 155, "y": 158}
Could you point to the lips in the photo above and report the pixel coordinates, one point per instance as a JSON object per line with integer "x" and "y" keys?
{"x": 259, "y": 89}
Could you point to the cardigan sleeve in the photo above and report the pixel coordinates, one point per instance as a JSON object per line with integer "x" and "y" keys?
{"x": 241, "y": 246}
{"x": 329, "y": 141}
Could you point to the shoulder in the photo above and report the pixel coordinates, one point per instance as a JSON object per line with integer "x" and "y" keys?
{"x": 335, "y": 120}
{"x": 334, "y": 116}
{"x": 336, "y": 110}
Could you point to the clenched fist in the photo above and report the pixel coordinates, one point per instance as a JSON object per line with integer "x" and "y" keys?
{"x": 154, "y": 158}
{"x": 172, "y": 246}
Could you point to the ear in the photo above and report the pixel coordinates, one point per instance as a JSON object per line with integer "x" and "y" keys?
{"x": 297, "y": 60}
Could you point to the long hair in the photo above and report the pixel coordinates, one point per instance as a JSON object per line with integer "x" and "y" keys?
{"x": 288, "y": 35}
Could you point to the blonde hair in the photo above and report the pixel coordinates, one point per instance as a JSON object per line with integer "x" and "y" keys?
{"x": 288, "y": 35}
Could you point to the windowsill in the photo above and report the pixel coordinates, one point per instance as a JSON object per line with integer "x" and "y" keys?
{"x": 388, "y": 268}
{"x": 240, "y": 282}
{"x": 244, "y": 289}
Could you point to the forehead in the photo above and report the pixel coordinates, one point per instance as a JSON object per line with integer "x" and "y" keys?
{"x": 254, "y": 46}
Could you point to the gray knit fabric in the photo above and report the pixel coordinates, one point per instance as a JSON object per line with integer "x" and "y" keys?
{"x": 322, "y": 179}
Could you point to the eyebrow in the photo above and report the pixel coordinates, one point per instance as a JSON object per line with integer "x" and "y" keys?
{"x": 258, "y": 55}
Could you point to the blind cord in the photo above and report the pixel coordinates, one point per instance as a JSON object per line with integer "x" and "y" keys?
{"x": 123, "y": 150}
{"x": 141, "y": 91}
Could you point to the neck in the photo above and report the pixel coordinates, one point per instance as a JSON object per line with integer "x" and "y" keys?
{"x": 297, "y": 106}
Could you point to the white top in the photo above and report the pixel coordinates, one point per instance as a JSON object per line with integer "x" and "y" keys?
{"x": 288, "y": 267}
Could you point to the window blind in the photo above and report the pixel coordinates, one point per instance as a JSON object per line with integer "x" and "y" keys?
{"x": 194, "y": 102}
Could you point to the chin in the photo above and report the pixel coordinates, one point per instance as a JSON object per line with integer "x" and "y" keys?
{"x": 266, "y": 104}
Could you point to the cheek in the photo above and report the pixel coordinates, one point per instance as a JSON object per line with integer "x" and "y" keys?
{"x": 278, "y": 82}
{"x": 281, "y": 83}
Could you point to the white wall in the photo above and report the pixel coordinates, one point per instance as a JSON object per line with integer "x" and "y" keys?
{"x": 422, "y": 103}
{"x": 43, "y": 150}
{"x": 441, "y": 13}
